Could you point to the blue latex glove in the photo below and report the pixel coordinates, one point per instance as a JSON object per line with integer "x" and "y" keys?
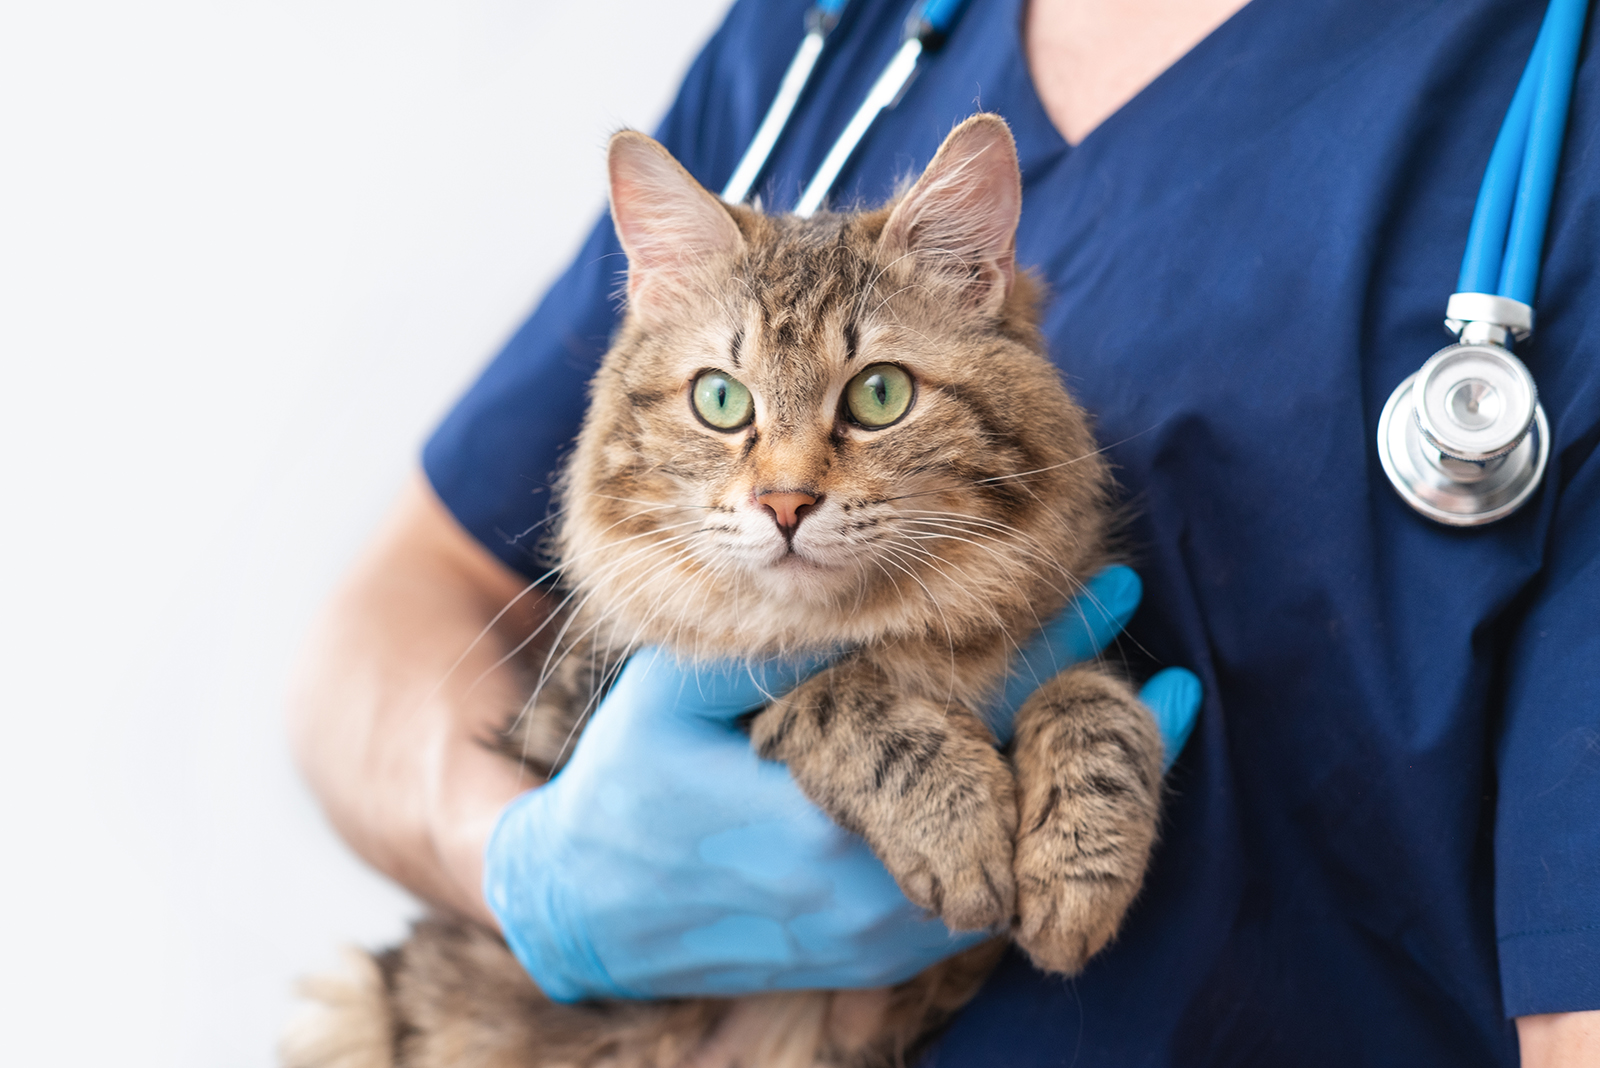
{"x": 666, "y": 859}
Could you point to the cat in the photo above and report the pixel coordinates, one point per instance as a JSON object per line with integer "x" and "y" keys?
{"x": 855, "y": 414}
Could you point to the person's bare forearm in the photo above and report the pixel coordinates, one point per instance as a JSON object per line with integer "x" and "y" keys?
{"x": 1560, "y": 1040}
{"x": 387, "y": 726}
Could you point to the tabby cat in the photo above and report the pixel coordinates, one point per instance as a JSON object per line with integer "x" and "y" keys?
{"x": 855, "y": 416}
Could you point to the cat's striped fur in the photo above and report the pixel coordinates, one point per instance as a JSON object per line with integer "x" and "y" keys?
{"x": 933, "y": 548}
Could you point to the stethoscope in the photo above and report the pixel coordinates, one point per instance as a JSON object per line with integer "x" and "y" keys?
{"x": 1464, "y": 440}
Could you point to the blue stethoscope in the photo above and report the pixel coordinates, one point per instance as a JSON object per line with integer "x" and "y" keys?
{"x": 1464, "y": 440}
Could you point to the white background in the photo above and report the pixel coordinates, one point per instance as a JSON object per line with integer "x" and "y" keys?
{"x": 249, "y": 253}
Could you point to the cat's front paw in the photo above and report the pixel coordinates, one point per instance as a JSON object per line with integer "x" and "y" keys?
{"x": 1063, "y": 921}
{"x": 1088, "y": 762}
{"x": 953, "y": 853}
{"x": 918, "y": 779}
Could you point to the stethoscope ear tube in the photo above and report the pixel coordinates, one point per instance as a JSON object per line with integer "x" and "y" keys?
{"x": 927, "y": 27}
{"x": 1465, "y": 440}
{"x": 820, "y": 20}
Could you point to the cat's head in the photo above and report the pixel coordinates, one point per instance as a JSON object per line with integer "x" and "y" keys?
{"x": 840, "y": 428}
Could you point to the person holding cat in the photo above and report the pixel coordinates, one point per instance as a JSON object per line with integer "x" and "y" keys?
{"x": 1380, "y": 845}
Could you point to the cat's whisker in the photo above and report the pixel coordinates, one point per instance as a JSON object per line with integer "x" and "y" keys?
{"x": 966, "y": 523}
{"x": 654, "y": 505}
{"x": 1015, "y": 476}
{"x": 1070, "y": 532}
{"x": 951, "y": 489}
{"x": 1018, "y": 570}
{"x": 706, "y": 581}
{"x": 937, "y": 563}
{"x": 656, "y": 607}
{"x": 1076, "y": 459}
{"x": 1009, "y": 530}
{"x": 975, "y": 525}
{"x": 488, "y": 627}
{"x": 494, "y": 621}
{"x": 949, "y": 631}
{"x": 992, "y": 539}
{"x": 556, "y": 611}
{"x": 1011, "y": 640}
{"x": 934, "y": 529}
{"x": 574, "y": 558}
{"x": 561, "y": 611}
{"x": 679, "y": 543}
{"x": 1078, "y": 593}
{"x": 997, "y": 534}
{"x": 575, "y": 642}
{"x": 550, "y": 516}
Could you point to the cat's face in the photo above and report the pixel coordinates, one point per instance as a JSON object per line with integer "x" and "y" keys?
{"x": 837, "y": 429}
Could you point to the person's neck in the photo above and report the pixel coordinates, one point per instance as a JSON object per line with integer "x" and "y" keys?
{"x": 1090, "y": 57}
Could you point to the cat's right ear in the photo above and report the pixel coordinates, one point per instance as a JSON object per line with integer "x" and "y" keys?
{"x": 672, "y": 229}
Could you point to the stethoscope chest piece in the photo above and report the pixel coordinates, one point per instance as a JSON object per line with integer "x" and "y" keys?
{"x": 1465, "y": 440}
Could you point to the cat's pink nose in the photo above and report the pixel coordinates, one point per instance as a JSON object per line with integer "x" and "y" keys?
{"x": 788, "y": 507}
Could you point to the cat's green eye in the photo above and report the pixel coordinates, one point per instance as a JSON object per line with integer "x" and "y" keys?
{"x": 721, "y": 401}
{"x": 878, "y": 396}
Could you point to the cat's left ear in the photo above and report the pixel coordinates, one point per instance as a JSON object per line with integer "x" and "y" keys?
{"x": 960, "y": 218}
{"x": 672, "y": 229}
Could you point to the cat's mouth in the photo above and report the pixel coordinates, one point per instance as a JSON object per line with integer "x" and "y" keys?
{"x": 793, "y": 559}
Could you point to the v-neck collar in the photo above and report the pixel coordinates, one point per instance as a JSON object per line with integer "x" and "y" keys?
{"x": 1238, "y": 82}
{"x": 1016, "y": 11}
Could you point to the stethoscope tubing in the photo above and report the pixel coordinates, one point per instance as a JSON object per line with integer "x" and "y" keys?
{"x": 883, "y": 94}
{"x": 926, "y": 29}
{"x": 1505, "y": 241}
{"x": 820, "y": 20}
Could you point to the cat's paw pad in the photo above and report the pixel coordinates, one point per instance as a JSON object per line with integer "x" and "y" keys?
{"x": 1063, "y": 921}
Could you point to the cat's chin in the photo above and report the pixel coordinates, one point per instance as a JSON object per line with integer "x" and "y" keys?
{"x": 799, "y": 588}
{"x": 795, "y": 562}
{"x": 797, "y": 574}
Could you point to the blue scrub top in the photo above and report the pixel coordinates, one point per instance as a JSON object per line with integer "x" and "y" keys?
{"x": 1384, "y": 837}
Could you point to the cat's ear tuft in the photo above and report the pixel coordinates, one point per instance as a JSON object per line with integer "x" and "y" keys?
{"x": 960, "y": 218}
{"x": 670, "y": 227}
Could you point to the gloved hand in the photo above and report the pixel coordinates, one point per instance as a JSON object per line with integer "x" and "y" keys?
{"x": 667, "y": 859}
